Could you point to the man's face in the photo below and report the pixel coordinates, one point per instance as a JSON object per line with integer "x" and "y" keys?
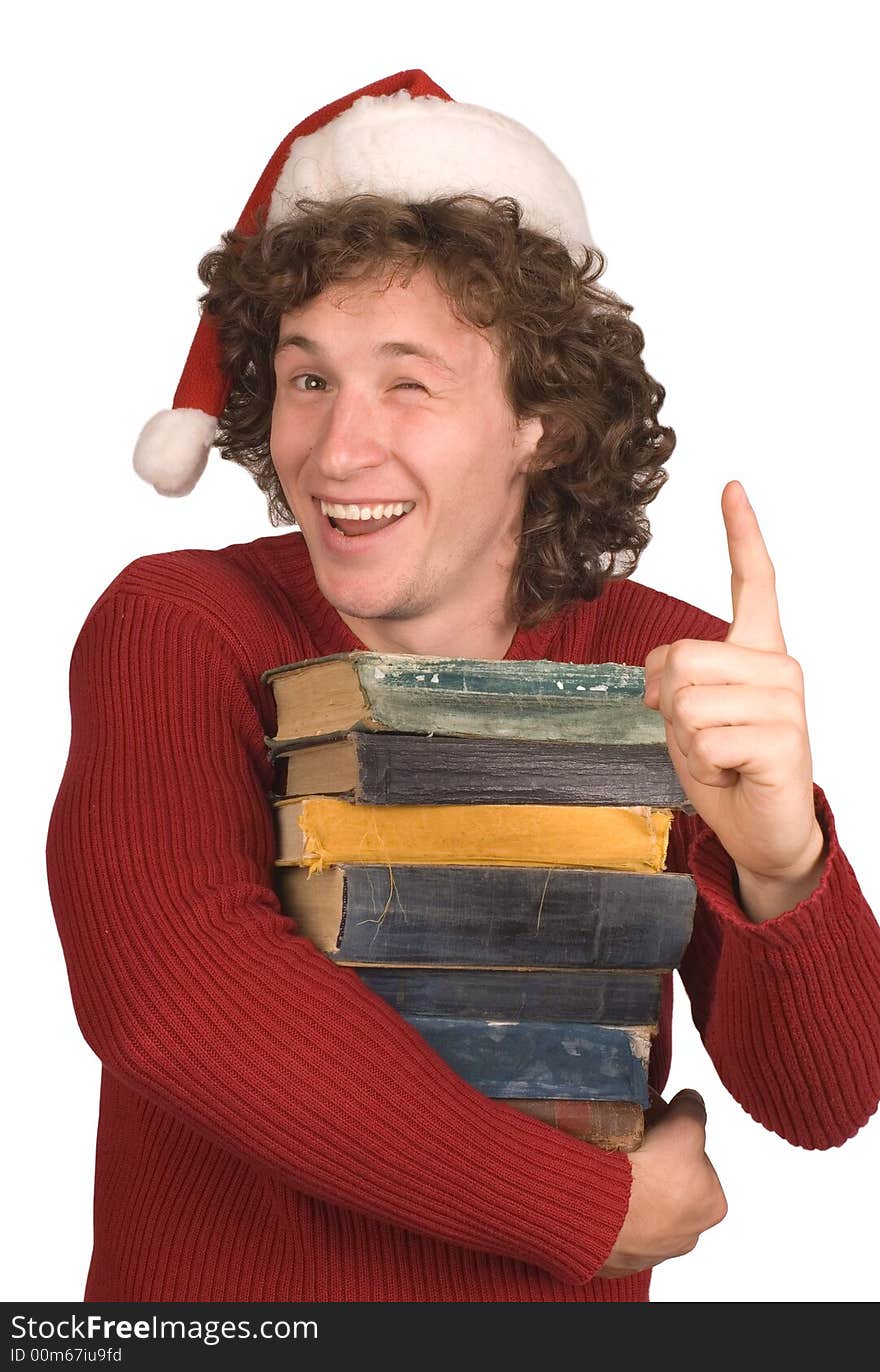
{"x": 361, "y": 420}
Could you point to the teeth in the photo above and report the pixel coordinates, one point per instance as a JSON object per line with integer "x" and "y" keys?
{"x": 366, "y": 511}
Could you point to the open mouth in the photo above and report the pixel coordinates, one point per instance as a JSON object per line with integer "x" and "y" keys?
{"x": 360, "y": 523}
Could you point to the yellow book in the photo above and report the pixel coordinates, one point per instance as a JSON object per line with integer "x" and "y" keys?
{"x": 316, "y": 831}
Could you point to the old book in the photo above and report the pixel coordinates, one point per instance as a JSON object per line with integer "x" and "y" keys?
{"x": 543, "y": 1060}
{"x": 497, "y": 916}
{"x": 319, "y": 830}
{"x": 591, "y": 995}
{"x": 419, "y": 769}
{"x": 593, "y": 703}
{"x": 401, "y": 776}
{"x": 616, "y": 1125}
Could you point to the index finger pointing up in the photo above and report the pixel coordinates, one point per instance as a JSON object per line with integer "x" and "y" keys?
{"x": 755, "y": 622}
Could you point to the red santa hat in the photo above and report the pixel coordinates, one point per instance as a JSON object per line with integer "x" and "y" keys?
{"x": 402, "y": 137}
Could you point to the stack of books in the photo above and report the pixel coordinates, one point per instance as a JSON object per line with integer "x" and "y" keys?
{"x": 485, "y": 842}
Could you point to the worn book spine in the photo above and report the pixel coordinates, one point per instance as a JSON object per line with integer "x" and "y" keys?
{"x": 412, "y": 769}
{"x": 594, "y": 702}
{"x": 536, "y": 1059}
{"x": 587, "y": 995}
{"x": 463, "y": 916}
{"x": 320, "y": 830}
{"x": 616, "y": 1125}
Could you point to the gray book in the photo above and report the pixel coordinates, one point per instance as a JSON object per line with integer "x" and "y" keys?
{"x": 418, "y": 769}
{"x": 472, "y": 697}
{"x": 465, "y": 916}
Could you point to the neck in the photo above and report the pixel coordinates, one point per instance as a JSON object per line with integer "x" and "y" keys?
{"x": 489, "y": 639}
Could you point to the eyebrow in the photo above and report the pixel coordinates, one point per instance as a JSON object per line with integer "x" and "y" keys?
{"x": 392, "y": 348}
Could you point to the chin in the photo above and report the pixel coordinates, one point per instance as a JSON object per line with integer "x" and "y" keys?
{"x": 360, "y": 602}
{"x": 358, "y": 608}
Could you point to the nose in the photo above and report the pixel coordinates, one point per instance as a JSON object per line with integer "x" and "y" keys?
{"x": 350, "y": 439}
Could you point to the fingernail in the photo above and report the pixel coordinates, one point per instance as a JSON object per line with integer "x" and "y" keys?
{"x": 695, "y": 1099}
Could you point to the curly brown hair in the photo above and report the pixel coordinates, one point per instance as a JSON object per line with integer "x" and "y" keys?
{"x": 570, "y": 355}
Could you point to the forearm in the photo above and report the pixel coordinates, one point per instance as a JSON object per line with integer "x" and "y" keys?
{"x": 788, "y": 1007}
{"x": 764, "y": 897}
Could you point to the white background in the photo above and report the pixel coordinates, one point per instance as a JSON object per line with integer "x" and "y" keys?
{"x": 726, "y": 156}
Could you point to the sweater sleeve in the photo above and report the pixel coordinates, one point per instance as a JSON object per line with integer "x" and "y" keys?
{"x": 191, "y": 986}
{"x": 788, "y": 1009}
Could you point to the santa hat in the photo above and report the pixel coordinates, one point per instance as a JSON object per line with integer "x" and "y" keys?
{"x": 402, "y": 137}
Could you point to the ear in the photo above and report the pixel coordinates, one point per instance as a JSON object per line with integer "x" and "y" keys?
{"x": 528, "y": 436}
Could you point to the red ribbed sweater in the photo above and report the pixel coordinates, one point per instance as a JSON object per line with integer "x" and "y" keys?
{"x": 271, "y": 1130}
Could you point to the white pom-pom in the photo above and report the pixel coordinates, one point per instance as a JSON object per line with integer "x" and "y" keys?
{"x": 173, "y": 448}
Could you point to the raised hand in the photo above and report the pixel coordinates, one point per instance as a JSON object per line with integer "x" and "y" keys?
{"x": 735, "y": 720}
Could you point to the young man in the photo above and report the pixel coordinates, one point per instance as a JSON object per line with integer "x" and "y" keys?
{"x": 460, "y": 421}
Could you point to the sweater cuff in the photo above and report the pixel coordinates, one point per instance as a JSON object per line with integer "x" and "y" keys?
{"x": 788, "y": 1008}
{"x": 814, "y": 917}
{"x": 580, "y": 1195}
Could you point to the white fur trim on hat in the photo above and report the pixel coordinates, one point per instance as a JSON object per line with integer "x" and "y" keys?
{"x": 417, "y": 149}
{"x": 173, "y": 448}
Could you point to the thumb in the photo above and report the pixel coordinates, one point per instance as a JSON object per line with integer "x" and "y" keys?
{"x": 687, "y": 1105}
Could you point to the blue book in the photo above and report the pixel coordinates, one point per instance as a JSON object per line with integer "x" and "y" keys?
{"x": 548, "y": 1061}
